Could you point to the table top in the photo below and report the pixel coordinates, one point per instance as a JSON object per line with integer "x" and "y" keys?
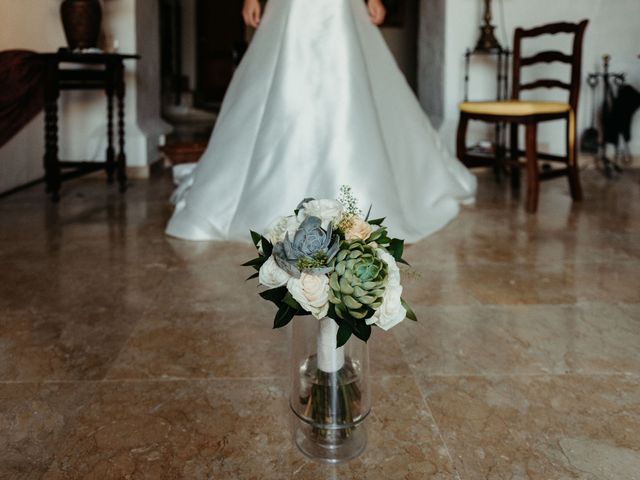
{"x": 66, "y": 55}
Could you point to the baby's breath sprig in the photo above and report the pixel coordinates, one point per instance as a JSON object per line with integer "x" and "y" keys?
{"x": 351, "y": 210}
{"x": 349, "y": 201}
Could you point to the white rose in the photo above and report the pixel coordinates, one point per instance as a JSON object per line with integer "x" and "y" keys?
{"x": 358, "y": 230}
{"x": 271, "y": 275}
{"x": 393, "y": 278}
{"x": 391, "y": 312}
{"x": 312, "y": 293}
{"x": 280, "y": 227}
{"x": 329, "y": 211}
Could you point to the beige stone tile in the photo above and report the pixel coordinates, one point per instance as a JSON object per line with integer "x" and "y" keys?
{"x": 214, "y": 285}
{"x": 81, "y": 216}
{"x": 404, "y": 443}
{"x": 221, "y": 344}
{"x": 539, "y": 428}
{"x": 521, "y": 284}
{"x": 33, "y": 418}
{"x": 236, "y": 429}
{"x": 561, "y": 283}
{"x": 385, "y": 354}
{"x": 72, "y": 281}
{"x": 511, "y": 242}
{"x": 426, "y": 286}
{"x": 631, "y": 309}
{"x": 165, "y": 430}
{"x": 522, "y": 340}
{"x": 38, "y": 345}
{"x": 202, "y": 345}
{"x": 614, "y": 283}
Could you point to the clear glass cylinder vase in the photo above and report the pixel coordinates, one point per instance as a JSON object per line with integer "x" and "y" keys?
{"x": 330, "y": 391}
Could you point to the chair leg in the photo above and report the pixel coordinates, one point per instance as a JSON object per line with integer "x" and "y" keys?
{"x": 514, "y": 157}
{"x": 461, "y": 142}
{"x": 533, "y": 175}
{"x": 572, "y": 159}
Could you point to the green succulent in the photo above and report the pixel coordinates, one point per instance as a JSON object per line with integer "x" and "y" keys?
{"x": 357, "y": 283}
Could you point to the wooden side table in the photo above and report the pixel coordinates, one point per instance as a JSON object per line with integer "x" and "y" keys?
{"x": 111, "y": 80}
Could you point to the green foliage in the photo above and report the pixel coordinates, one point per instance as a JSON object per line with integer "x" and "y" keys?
{"x": 284, "y": 315}
{"x": 410, "y": 313}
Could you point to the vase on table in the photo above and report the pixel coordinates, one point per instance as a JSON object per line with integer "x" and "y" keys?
{"x": 330, "y": 392}
{"x": 82, "y": 21}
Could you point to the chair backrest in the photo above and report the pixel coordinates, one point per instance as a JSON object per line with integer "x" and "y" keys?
{"x": 550, "y": 56}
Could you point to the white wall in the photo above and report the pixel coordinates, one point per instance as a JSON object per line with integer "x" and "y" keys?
{"x": 614, "y": 28}
{"x": 36, "y": 25}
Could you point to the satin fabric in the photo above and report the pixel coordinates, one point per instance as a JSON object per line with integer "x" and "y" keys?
{"x": 319, "y": 102}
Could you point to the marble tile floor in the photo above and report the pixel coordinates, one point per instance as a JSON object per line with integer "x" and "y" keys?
{"x": 128, "y": 355}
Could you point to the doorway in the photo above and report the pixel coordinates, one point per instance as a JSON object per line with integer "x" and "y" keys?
{"x": 221, "y": 43}
{"x": 201, "y": 43}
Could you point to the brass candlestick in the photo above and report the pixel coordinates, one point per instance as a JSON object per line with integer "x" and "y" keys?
{"x": 487, "y": 41}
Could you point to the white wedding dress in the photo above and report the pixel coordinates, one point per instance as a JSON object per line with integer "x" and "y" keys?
{"x": 319, "y": 102}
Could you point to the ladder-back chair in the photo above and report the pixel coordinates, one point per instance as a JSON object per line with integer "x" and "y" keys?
{"x": 518, "y": 112}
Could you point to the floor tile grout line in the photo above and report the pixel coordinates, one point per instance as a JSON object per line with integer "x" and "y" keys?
{"x": 171, "y": 380}
{"x": 530, "y": 374}
{"x": 411, "y": 375}
{"x": 147, "y": 308}
{"x": 439, "y": 430}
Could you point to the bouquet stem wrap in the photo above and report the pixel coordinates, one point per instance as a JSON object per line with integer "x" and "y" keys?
{"x": 330, "y": 357}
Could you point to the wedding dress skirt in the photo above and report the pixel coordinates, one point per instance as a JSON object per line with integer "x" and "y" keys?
{"x": 319, "y": 102}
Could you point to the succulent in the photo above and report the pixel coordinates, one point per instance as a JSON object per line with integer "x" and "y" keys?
{"x": 311, "y": 250}
{"x": 358, "y": 281}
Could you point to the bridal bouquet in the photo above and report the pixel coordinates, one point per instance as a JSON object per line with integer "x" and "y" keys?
{"x": 326, "y": 260}
{"x": 330, "y": 262}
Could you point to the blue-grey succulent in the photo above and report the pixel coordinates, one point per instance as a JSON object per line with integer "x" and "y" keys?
{"x": 310, "y": 251}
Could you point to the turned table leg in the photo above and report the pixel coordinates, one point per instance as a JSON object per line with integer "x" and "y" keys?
{"x": 51, "y": 165}
{"x": 122, "y": 158}
{"x": 111, "y": 153}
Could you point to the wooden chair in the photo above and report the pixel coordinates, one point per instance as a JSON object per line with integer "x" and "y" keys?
{"x": 518, "y": 112}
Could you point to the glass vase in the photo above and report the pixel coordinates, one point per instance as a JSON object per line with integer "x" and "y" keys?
{"x": 330, "y": 391}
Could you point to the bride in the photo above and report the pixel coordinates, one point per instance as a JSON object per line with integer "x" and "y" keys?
{"x": 319, "y": 102}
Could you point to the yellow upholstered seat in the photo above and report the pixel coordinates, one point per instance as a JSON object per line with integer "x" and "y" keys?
{"x": 515, "y": 108}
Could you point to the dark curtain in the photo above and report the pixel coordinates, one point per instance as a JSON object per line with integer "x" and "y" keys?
{"x": 21, "y": 91}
